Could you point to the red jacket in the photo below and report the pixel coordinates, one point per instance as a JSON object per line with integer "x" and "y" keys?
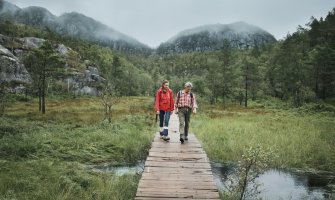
{"x": 164, "y": 100}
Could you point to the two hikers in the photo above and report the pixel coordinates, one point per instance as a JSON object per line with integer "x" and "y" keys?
{"x": 185, "y": 105}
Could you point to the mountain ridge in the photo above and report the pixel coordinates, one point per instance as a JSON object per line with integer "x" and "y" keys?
{"x": 211, "y": 37}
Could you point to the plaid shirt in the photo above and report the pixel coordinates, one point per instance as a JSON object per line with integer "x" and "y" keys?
{"x": 185, "y": 100}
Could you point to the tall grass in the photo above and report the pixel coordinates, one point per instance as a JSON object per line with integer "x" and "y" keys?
{"x": 43, "y": 156}
{"x": 300, "y": 139}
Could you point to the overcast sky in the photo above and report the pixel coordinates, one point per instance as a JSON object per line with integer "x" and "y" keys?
{"x": 155, "y": 21}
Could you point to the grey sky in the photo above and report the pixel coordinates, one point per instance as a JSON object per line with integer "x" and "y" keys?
{"x": 155, "y": 21}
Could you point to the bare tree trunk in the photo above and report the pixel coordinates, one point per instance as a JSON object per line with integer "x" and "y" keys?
{"x": 39, "y": 99}
{"x": 43, "y": 90}
{"x": 323, "y": 91}
{"x": 246, "y": 91}
{"x": 43, "y": 103}
{"x": 110, "y": 113}
{"x": 2, "y": 101}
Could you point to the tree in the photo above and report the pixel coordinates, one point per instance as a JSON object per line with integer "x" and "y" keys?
{"x": 251, "y": 77}
{"x": 43, "y": 63}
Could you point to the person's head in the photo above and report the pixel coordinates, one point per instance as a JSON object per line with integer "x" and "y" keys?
{"x": 165, "y": 85}
{"x": 188, "y": 86}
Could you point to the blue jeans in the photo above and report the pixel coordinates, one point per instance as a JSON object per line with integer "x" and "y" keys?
{"x": 164, "y": 117}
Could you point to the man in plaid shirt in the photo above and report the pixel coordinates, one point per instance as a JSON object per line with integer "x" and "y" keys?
{"x": 185, "y": 105}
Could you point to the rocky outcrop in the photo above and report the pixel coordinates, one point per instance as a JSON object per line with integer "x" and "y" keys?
{"x": 15, "y": 75}
{"x": 31, "y": 42}
{"x": 88, "y": 82}
{"x": 12, "y": 70}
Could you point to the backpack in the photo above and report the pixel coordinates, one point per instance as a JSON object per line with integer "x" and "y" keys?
{"x": 178, "y": 97}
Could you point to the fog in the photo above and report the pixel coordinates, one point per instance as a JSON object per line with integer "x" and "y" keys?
{"x": 155, "y": 21}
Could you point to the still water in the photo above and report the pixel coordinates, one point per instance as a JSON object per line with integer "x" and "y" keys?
{"x": 118, "y": 170}
{"x": 276, "y": 184}
{"x": 285, "y": 184}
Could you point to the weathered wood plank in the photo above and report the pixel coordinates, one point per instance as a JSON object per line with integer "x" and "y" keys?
{"x": 169, "y": 164}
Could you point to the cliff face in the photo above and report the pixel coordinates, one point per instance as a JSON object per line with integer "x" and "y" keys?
{"x": 83, "y": 80}
{"x": 12, "y": 71}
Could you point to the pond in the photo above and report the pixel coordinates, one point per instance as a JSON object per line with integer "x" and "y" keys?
{"x": 284, "y": 184}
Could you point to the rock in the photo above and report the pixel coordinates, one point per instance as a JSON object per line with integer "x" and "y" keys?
{"x": 12, "y": 70}
{"x": 6, "y": 52}
{"x": 62, "y": 49}
{"x": 32, "y": 42}
{"x": 86, "y": 90}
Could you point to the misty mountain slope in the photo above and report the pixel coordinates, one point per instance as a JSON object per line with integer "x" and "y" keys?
{"x": 74, "y": 25}
{"x": 211, "y": 37}
{"x": 79, "y": 25}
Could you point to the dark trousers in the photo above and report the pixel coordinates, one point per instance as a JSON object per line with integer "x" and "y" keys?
{"x": 164, "y": 118}
{"x": 184, "y": 115}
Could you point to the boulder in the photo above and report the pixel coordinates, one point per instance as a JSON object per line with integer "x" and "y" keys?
{"x": 12, "y": 70}
{"x": 86, "y": 90}
{"x": 32, "y": 42}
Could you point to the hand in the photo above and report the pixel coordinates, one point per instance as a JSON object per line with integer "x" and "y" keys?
{"x": 194, "y": 110}
{"x": 176, "y": 111}
{"x": 157, "y": 112}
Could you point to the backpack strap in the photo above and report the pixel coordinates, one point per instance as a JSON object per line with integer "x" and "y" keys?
{"x": 178, "y": 97}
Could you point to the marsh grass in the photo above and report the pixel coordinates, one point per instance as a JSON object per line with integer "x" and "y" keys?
{"x": 42, "y": 156}
{"x": 299, "y": 138}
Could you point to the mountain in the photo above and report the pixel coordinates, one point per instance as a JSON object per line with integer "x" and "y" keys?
{"x": 212, "y": 37}
{"x": 74, "y": 25}
{"x": 78, "y": 25}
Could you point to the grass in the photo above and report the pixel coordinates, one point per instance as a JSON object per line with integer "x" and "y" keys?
{"x": 43, "y": 156}
{"x": 299, "y": 138}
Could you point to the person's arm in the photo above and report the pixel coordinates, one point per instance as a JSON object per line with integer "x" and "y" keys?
{"x": 172, "y": 101}
{"x": 195, "y": 105}
{"x": 176, "y": 102}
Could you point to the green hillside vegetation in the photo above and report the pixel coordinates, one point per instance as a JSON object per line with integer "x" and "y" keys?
{"x": 47, "y": 156}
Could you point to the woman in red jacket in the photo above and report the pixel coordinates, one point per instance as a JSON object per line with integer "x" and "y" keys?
{"x": 164, "y": 105}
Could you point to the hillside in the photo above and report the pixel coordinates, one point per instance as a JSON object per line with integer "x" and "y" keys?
{"x": 212, "y": 37}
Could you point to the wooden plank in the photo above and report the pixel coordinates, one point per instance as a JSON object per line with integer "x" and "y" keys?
{"x": 177, "y": 177}
{"x": 192, "y": 194}
{"x": 195, "y": 160}
{"x": 177, "y": 171}
{"x": 178, "y": 155}
{"x": 177, "y": 185}
{"x": 177, "y": 150}
{"x": 171, "y": 164}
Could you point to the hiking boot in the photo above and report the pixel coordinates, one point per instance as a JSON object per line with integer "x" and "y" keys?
{"x": 182, "y": 140}
{"x": 165, "y": 132}
{"x": 161, "y": 133}
{"x": 166, "y": 138}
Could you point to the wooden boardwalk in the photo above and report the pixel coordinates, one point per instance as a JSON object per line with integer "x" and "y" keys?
{"x": 177, "y": 171}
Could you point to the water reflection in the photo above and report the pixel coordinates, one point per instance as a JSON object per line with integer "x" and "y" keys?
{"x": 118, "y": 170}
{"x": 284, "y": 184}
